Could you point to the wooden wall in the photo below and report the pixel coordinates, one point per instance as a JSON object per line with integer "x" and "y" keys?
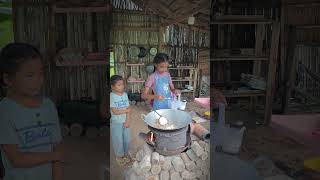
{"x": 305, "y": 16}
{"x": 31, "y": 25}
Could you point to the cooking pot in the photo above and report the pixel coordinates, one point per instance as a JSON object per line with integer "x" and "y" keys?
{"x": 176, "y": 119}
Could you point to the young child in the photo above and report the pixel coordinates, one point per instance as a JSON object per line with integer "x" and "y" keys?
{"x": 120, "y": 120}
{"x": 161, "y": 84}
{"x": 29, "y": 126}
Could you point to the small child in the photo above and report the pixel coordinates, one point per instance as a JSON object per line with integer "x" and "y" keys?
{"x": 161, "y": 84}
{"x": 120, "y": 120}
{"x": 30, "y": 135}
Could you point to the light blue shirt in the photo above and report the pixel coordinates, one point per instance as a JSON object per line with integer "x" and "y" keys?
{"x": 33, "y": 130}
{"x": 118, "y": 102}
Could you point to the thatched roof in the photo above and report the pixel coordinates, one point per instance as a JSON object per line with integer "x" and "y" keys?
{"x": 171, "y": 11}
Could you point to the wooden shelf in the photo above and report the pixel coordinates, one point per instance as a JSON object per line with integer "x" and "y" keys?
{"x": 239, "y": 58}
{"x": 182, "y": 68}
{"x": 82, "y": 63}
{"x": 138, "y": 64}
{"x": 307, "y": 26}
{"x": 136, "y": 81}
{"x": 181, "y": 80}
{"x": 248, "y": 93}
{"x": 76, "y": 9}
{"x": 132, "y": 28}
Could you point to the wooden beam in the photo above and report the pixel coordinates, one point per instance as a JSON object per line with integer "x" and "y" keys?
{"x": 290, "y": 69}
{"x": 81, "y": 9}
{"x": 240, "y": 19}
{"x": 272, "y": 71}
{"x": 182, "y": 18}
{"x": 230, "y": 58}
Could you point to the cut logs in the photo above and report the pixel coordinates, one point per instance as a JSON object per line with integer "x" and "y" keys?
{"x": 155, "y": 169}
{"x": 178, "y": 164}
{"x": 146, "y": 164}
{"x": 188, "y": 175}
{"x": 174, "y": 175}
{"x": 192, "y": 155}
{"x": 155, "y": 158}
{"x": 76, "y": 130}
{"x": 92, "y": 132}
{"x": 164, "y": 175}
{"x": 190, "y": 165}
{"x": 197, "y": 149}
{"x": 167, "y": 165}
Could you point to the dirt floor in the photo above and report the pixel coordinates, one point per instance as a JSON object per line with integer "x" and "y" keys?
{"x": 85, "y": 157}
{"x": 286, "y": 153}
{"x": 137, "y": 126}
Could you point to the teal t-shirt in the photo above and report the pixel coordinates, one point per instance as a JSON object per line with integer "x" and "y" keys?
{"x": 33, "y": 130}
{"x": 118, "y": 102}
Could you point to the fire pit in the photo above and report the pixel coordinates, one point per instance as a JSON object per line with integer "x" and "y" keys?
{"x": 168, "y": 142}
{"x": 172, "y": 138}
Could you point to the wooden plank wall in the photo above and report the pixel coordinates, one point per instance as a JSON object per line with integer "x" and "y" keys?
{"x": 64, "y": 83}
{"x": 136, "y": 28}
{"x": 306, "y": 16}
{"x": 242, "y": 36}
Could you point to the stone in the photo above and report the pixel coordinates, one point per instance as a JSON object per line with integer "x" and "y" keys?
{"x": 197, "y": 149}
{"x": 164, "y": 175}
{"x": 155, "y": 169}
{"x": 192, "y": 155}
{"x": 155, "y": 158}
{"x": 178, "y": 164}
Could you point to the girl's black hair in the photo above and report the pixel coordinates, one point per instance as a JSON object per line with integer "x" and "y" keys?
{"x": 160, "y": 58}
{"x": 13, "y": 55}
{"x": 114, "y": 79}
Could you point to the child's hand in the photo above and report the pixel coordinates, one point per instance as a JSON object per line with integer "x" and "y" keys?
{"x": 128, "y": 110}
{"x": 177, "y": 92}
{"x": 126, "y": 124}
{"x": 160, "y": 98}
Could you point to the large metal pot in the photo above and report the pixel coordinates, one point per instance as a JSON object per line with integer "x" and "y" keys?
{"x": 176, "y": 119}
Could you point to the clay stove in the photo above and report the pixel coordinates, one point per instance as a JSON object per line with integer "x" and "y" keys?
{"x": 168, "y": 142}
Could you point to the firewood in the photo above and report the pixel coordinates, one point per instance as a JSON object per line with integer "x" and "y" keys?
{"x": 155, "y": 169}
{"x": 76, "y": 130}
{"x": 192, "y": 155}
{"x": 155, "y": 158}
{"x": 190, "y": 165}
{"x": 145, "y": 164}
{"x": 164, "y": 175}
{"x": 178, "y": 164}
{"x": 188, "y": 175}
{"x": 197, "y": 149}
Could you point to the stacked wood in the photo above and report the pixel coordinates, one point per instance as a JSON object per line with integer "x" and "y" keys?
{"x": 191, "y": 165}
{"x": 76, "y": 129}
